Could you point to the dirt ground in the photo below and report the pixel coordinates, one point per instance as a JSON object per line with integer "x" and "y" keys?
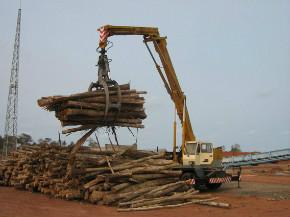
{"x": 281, "y": 168}
{"x": 261, "y": 194}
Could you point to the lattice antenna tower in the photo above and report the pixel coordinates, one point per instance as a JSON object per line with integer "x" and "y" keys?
{"x": 10, "y": 134}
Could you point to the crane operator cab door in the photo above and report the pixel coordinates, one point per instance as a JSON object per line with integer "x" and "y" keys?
{"x": 197, "y": 153}
{"x": 206, "y": 153}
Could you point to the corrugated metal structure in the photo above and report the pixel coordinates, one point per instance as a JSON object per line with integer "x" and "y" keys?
{"x": 255, "y": 159}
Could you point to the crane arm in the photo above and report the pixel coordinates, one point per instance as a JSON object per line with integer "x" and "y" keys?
{"x": 151, "y": 34}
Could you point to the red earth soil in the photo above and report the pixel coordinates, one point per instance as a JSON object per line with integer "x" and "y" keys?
{"x": 282, "y": 180}
{"x": 16, "y": 203}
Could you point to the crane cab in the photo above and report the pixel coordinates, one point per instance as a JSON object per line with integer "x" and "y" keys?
{"x": 197, "y": 153}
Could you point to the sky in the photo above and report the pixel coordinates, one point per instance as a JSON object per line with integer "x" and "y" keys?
{"x": 231, "y": 59}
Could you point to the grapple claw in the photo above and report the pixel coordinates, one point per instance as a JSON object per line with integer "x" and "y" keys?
{"x": 104, "y": 83}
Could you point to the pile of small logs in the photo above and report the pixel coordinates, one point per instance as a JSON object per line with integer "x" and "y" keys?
{"x": 88, "y": 109}
{"x": 130, "y": 179}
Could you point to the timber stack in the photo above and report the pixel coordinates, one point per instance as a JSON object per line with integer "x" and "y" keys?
{"x": 129, "y": 179}
{"x": 87, "y": 110}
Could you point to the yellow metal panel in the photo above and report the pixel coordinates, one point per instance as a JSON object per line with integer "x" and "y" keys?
{"x": 217, "y": 154}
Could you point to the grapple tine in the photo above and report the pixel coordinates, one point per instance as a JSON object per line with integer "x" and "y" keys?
{"x": 104, "y": 82}
{"x": 119, "y": 99}
{"x": 107, "y": 98}
{"x": 118, "y": 104}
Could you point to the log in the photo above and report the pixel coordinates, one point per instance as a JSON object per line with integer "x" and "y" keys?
{"x": 97, "y": 187}
{"x": 92, "y": 113}
{"x": 127, "y": 165}
{"x": 88, "y": 110}
{"x": 101, "y": 177}
{"x": 134, "y": 102}
{"x": 74, "y": 120}
{"x": 90, "y": 126}
{"x": 120, "y": 187}
{"x": 96, "y": 181}
{"x": 44, "y": 100}
{"x": 98, "y": 103}
{"x": 215, "y": 204}
{"x": 129, "y": 203}
{"x": 137, "y": 154}
{"x": 73, "y": 194}
{"x": 94, "y": 151}
{"x": 113, "y": 198}
{"x": 161, "y": 206}
{"x": 147, "y": 184}
{"x": 48, "y": 101}
{"x": 118, "y": 177}
{"x": 145, "y": 177}
{"x": 96, "y": 196}
{"x": 153, "y": 169}
{"x": 71, "y": 163}
{"x": 176, "y": 198}
{"x": 165, "y": 189}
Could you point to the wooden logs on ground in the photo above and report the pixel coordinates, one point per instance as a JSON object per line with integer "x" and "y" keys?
{"x": 144, "y": 183}
{"x": 88, "y": 109}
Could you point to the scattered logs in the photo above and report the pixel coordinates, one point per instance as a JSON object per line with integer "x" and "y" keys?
{"x": 88, "y": 109}
{"x": 121, "y": 179}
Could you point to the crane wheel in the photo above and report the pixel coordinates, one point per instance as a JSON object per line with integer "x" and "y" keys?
{"x": 186, "y": 176}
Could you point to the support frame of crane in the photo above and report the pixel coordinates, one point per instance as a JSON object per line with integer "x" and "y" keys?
{"x": 199, "y": 162}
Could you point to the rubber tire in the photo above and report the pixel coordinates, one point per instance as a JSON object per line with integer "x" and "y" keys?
{"x": 213, "y": 186}
{"x": 186, "y": 176}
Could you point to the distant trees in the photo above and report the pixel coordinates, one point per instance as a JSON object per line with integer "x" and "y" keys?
{"x": 45, "y": 140}
{"x": 26, "y": 139}
{"x": 49, "y": 141}
{"x": 22, "y": 139}
{"x": 236, "y": 148}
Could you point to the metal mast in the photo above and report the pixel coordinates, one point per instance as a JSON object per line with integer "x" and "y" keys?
{"x": 10, "y": 133}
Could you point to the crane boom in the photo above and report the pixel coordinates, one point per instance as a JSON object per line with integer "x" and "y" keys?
{"x": 151, "y": 34}
{"x": 196, "y": 159}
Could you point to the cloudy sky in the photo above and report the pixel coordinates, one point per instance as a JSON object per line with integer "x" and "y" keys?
{"x": 231, "y": 58}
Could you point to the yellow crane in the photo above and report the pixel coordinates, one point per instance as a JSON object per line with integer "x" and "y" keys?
{"x": 196, "y": 158}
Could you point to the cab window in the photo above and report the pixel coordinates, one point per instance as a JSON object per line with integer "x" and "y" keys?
{"x": 190, "y": 148}
{"x": 206, "y": 148}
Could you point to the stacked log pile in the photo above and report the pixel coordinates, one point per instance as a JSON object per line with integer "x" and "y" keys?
{"x": 129, "y": 179}
{"x": 87, "y": 110}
